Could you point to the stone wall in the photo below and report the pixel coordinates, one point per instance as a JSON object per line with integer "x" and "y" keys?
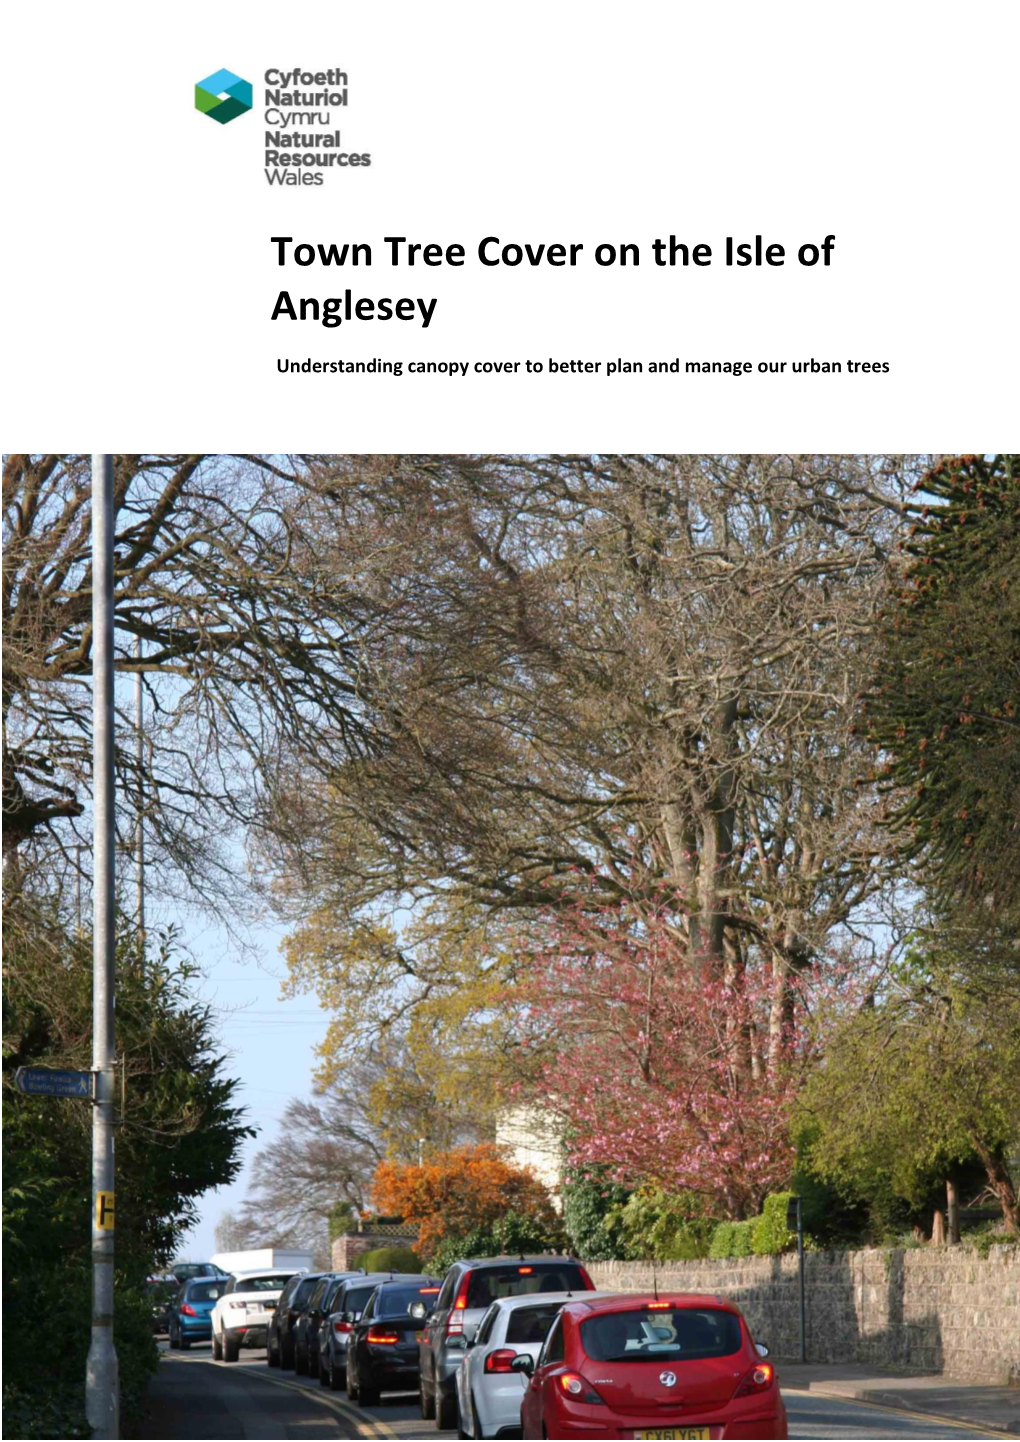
{"x": 936, "y": 1309}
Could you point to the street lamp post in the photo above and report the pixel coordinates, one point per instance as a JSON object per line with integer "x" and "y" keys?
{"x": 102, "y": 1390}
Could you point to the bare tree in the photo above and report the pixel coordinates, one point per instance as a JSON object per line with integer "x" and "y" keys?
{"x": 609, "y": 666}
{"x": 245, "y": 649}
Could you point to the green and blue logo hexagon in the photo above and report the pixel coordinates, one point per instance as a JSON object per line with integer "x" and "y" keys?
{"x": 223, "y": 96}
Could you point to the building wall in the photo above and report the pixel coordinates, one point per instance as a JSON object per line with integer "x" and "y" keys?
{"x": 528, "y": 1137}
{"x": 936, "y": 1309}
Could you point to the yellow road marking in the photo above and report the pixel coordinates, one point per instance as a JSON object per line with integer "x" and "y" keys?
{"x": 353, "y": 1414}
{"x": 899, "y": 1411}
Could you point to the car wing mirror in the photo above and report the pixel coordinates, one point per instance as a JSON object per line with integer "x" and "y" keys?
{"x": 418, "y": 1310}
{"x": 761, "y": 1349}
{"x": 523, "y": 1363}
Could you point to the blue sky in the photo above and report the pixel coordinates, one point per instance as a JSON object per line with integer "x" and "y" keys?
{"x": 269, "y": 1044}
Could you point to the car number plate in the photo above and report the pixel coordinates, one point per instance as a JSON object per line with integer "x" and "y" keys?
{"x": 674, "y": 1434}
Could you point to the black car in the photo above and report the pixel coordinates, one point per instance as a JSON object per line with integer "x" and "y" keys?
{"x": 292, "y": 1302}
{"x": 382, "y": 1353}
{"x": 306, "y": 1328}
{"x": 337, "y": 1326}
{"x": 162, "y": 1292}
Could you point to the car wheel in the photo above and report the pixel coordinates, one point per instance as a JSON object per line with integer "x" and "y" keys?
{"x": 184, "y": 1343}
{"x": 352, "y": 1390}
{"x": 447, "y": 1413}
{"x": 287, "y": 1356}
{"x": 272, "y": 1353}
{"x": 231, "y": 1349}
{"x": 217, "y": 1348}
{"x": 337, "y": 1378}
{"x": 301, "y": 1361}
{"x": 175, "y": 1341}
{"x": 426, "y": 1401}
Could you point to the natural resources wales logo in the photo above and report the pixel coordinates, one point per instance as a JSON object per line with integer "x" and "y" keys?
{"x": 223, "y": 96}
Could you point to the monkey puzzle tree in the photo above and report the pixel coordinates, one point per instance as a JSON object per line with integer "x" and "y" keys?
{"x": 945, "y": 707}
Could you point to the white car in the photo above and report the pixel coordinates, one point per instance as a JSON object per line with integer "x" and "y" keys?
{"x": 489, "y": 1394}
{"x": 240, "y": 1317}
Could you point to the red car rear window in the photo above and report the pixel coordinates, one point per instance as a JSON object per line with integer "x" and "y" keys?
{"x": 663, "y": 1335}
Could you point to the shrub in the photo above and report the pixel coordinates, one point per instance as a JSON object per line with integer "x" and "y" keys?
{"x": 664, "y": 1226}
{"x": 390, "y": 1259}
{"x": 512, "y": 1234}
{"x": 732, "y": 1239}
{"x": 771, "y": 1235}
{"x": 590, "y": 1200}
{"x": 721, "y": 1244}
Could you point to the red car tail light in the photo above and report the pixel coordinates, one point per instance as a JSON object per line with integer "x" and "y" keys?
{"x": 499, "y": 1361}
{"x": 342, "y": 1328}
{"x": 659, "y": 1306}
{"x": 454, "y": 1325}
{"x": 188, "y": 1309}
{"x": 578, "y": 1389}
{"x": 385, "y": 1338}
{"x": 759, "y": 1379}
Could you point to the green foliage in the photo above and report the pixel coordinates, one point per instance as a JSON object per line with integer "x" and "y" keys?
{"x": 390, "y": 1259}
{"x": 590, "y": 1200}
{"x": 660, "y": 1225}
{"x": 924, "y": 1084}
{"x": 732, "y": 1239}
{"x": 770, "y": 1234}
{"x": 179, "y": 1135}
{"x": 945, "y": 705}
{"x": 512, "y": 1234}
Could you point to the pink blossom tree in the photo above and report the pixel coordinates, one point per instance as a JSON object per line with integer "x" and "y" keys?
{"x": 664, "y": 1071}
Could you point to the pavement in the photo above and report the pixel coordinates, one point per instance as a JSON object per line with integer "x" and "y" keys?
{"x": 933, "y": 1396}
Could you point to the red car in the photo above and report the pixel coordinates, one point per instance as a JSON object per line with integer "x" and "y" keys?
{"x": 640, "y": 1366}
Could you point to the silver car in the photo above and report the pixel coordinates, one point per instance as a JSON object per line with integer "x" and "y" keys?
{"x": 469, "y": 1289}
{"x": 488, "y": 1393}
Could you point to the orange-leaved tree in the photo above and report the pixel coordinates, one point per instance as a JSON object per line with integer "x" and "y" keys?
{"x": 456, "y": 1191}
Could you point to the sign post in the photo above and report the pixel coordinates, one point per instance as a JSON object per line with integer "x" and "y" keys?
{"x": 102, "y": 1386}
{"x": 795, "y": 1222}
{"x": 44, "y": 1081}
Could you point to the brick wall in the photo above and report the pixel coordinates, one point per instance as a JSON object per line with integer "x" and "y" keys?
{"x": 936, "y": 1309}
{"x": 348, "y": 1247}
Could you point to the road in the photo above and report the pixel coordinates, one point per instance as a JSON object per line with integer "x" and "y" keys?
{"x": 194, "y": 1397}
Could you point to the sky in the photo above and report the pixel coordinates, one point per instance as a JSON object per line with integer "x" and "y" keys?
{"x": 269, "y": 1044}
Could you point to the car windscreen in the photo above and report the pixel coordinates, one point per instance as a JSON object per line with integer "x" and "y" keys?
{"x": 488, "y": 1284}
{"x": 663, "y": 1334}
{"x": 205, "y": 1291}
{"x": 394, "y": 1301}
{"x": 527, "y": 1325}
{"x": 274, "y": 1282}
{"x": 356, "y": 1297}
{"x": 186, "y": 1270}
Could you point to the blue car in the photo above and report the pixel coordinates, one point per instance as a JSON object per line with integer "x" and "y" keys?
{"x": 191, "y": 1313}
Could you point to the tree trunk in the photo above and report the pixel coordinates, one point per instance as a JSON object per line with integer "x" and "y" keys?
{"x": 1001, "y": 1184}
{"x": 953, "y": 1212}
{"x": 938, "y": 1229}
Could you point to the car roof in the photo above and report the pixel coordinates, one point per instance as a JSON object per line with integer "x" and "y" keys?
{"x": 253, "y": 1272}
{"x": 518, "y": 1261}
{"x": 377, "y": 1278}
{"x": 595, "y": 1303}
{"x": 536, "y": 1299}
{"x": 409, "y": 1281}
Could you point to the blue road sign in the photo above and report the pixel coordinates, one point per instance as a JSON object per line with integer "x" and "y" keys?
{"x": 43, "y": 1081}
